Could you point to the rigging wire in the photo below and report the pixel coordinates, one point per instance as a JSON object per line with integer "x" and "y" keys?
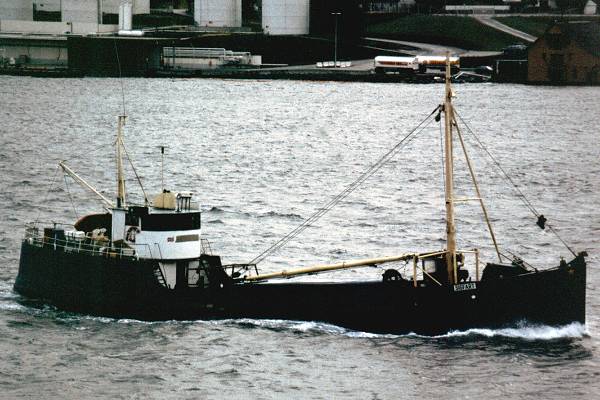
{"x": 71, "y": 197}
{"x": 347, "y": 191}
{"x": 135, "y": 172}
{"x": 122, "y": 144}
{"x": 520, "y": 193}
{"x": 37, "y": 219}
{"x": 518, "y": 259}
{"x": 497, "y": 163}
{"x": 120, "y": 74}
{"x": 442, "y": 156}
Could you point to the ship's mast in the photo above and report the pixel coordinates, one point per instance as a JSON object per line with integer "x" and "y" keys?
{"x": 449, "y": 180}
{"x": 120, "y": 176}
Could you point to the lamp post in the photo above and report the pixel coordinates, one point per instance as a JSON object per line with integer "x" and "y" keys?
{"x": 335, "y": 15}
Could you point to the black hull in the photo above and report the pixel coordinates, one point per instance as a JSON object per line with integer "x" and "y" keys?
{"x": 128, "y": 288}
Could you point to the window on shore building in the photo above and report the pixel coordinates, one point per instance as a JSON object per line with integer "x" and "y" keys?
{"x": 46, "y": 10}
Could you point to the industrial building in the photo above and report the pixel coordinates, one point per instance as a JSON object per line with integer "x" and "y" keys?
{"x": 65, "y": 16}
{"x": 34, "y": 32}
{"x": 16, "y": 10}
{"x": 278, "y": 17}
{"x": 286, "y": 17}
{"x": 96, "y": 11}
{"x": 272, "y": 17}
{"x": 60, "y": 33}
{"x": 218, "y": 13}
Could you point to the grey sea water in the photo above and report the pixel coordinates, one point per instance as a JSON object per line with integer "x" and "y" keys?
{"x": 260, "y": 157}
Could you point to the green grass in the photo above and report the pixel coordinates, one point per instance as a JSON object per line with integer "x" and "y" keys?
{"x": 535, "y": 26}
{"x": 463, "y": 32}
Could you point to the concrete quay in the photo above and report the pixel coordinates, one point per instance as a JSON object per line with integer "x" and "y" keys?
{"x": 359, "y": 71}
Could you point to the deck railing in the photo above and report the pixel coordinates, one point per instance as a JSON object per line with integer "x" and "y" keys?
{"x": 34, "y": 235}
{"x": 205, "y": 247}
{"x": 88, "y": 245}
{"x": 419, "y": 268}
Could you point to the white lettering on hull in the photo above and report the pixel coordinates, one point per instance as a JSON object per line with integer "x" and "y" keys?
{"x": 461, "y": 287}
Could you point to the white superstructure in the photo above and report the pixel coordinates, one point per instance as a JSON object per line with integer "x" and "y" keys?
{"x": 218, "y": 13}
{"x": 286, "y": 17}
{"x": 171, "y": 245}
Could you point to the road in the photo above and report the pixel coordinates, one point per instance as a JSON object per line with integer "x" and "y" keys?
{"x": 494, "y": 23}
{"x": 418, "y": 48}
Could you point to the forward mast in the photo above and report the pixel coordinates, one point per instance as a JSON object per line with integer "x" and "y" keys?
{"x": 449, "y": 180}
{"x": 121, "y": 202}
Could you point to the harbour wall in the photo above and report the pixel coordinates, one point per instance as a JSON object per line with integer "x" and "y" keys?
{"x": 33, "y": 50}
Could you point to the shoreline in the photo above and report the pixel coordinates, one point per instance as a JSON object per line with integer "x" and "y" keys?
{"x": 285, "y": 73}
{"x": 278, "y": 73}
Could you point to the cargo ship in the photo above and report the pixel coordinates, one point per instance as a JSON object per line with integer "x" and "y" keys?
{"x": 151, "y": 262}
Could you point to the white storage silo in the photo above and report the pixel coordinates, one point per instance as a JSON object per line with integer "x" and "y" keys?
{"x": 285, "y": 17}
{"x": 125, "y": 15}
{"x": 16, "y": 10}
{"x": 218, "y": 13}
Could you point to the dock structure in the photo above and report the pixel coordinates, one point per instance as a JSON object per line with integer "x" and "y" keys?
{"x": 95, "y": 38}
{"x": 34, "y": 49}
{"x": 116, "y": 55}
{"x": 195, "y": 58}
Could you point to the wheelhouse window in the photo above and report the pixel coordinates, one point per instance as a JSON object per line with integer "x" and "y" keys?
{"x": 171, "y": 222}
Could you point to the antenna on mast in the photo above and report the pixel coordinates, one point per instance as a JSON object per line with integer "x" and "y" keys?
{"x": 162, "y": 166}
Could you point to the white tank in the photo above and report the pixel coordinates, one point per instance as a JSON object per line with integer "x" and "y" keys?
{"x": 590, "y": 8}
{"x": 16, "y": 10}
{"x": 285, "y": 17}
{"x": 125, "y": 15}
{"x": 218, "y": 13}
